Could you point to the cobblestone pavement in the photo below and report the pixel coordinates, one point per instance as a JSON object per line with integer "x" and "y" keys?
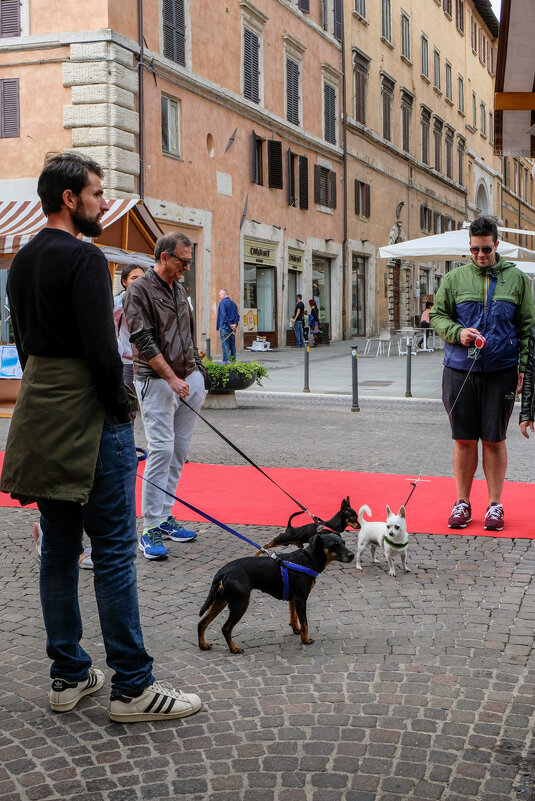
{"x": 416, "y": 687}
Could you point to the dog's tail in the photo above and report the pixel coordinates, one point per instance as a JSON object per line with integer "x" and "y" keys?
{"x": 211, "y": 595}
{"x": 295, "y": 514}
{"x": 363, "y": 509}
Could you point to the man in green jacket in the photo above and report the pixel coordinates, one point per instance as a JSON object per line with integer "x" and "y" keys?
{"x": 483, "y": 311}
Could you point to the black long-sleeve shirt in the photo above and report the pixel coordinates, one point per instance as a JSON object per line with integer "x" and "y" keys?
{"x": 61, "y": 302}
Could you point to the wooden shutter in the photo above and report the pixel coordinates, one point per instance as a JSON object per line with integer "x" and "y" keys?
{"x": 329, "y": 109}
{"x": 367, "y": 204}
{"x": 338, "y": 20}
{"x": 274, "y": 149}
{"x": 292, "y": 91}
{"x": 250, "y": 66}
{"x": 317, "y": 183}
{"x": 405, "y": 126}
{"x": 303, "y": 182}
{"x": 9, "y": 108}
{"x": 360, "y": 94}
{"x": 174, "y": 31}
{"x": 332, "y": 190}
{"x": 357, "y": 196}
{"x": 10, "y": 18}
{"x": 387, "y": 129}
{"x": 254, "y": 158}
{"x": 304, "y": 5}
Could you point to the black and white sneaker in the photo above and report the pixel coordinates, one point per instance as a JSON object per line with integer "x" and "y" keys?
{"x": 64, "y": 695}
{"x": 160, "y": 701}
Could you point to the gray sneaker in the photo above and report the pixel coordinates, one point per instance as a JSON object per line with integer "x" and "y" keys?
{"x": 160, "y": 701}
{"x": 64, "y": 695}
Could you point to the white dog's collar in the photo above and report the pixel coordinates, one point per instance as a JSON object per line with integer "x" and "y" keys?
{"x": 395, "y": 544}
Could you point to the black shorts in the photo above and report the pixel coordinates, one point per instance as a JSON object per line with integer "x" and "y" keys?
{"x": 484, "y": 402}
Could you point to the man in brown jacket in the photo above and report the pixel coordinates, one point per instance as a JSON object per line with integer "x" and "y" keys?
{"x": 167, "y": 367}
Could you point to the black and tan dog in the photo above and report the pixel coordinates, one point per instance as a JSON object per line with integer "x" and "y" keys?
{"x": 234, "y": 582}
{"x": 300, "y": 535}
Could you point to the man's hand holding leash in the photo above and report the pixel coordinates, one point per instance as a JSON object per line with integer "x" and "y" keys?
{"x": 179, "y": 386}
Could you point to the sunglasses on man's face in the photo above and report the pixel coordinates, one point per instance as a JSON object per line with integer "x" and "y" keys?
{"x": 486, "y": 250}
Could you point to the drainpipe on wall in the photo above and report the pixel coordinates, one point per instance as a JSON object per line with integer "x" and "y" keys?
{"x": 140, "y": 68}
{"x": 344, "y": 171}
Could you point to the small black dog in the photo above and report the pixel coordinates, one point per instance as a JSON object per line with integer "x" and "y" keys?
{"x": 234, "y": 582}
{"x": 299, "y": 535}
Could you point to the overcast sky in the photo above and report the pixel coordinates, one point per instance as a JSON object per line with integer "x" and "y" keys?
{"x": 496, "y": 6}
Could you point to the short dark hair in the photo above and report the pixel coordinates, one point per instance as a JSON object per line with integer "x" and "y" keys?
{"x": 63, "y": 171}
{"x": 167, "y": 244}
{"x": 484, "y": 226}
{"x": 299, "y": 296}
{"x": 428, "y": 304}
{"x": 125, "y": 272}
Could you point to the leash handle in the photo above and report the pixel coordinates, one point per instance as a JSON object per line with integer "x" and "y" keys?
{"x": 247, "y": 459}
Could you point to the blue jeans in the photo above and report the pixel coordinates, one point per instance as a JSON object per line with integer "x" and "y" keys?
{"x": 228, "y": 343}
{"x": 109, "y": 519}
{"x": 298, "y": 331}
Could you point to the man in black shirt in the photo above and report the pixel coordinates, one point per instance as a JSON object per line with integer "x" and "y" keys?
{"x": 297, "y": 321}
{"x": 71, "y": 448}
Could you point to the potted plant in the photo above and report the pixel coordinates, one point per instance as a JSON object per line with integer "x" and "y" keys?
{"x": 228, "y": 376}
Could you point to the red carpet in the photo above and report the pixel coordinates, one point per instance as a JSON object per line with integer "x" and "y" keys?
{"x": 241, "y": 495}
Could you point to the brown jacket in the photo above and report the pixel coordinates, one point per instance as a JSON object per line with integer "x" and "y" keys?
{"x": 160, "y": 321}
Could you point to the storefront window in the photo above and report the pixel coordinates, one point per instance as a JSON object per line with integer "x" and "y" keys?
{"x": 259, "y": 294}
{"x": 321, "y": 287}
{"x": 358, "y": 296}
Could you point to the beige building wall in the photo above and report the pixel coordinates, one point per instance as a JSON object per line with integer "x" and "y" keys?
{"x": 387, "y": 295}
{"x": 83, "y": 59}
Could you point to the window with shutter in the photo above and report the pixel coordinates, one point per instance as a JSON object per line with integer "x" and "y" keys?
{"x": 447, "y": 7}
{"x": 360, "y": 8}
{"x": 9, "y": 108}
{"x": 426, "y": 116}
{"x": 292, "y": 91}
{"x": 303, "y": 182}
{"x": 338, "y": 20}
{"x": 357, "y": 197}
{"x": 9, "y": 18}
{"x": 329, "y": 112}
{"x": 459, "y": 15}
{"x": 449, "y": 155}
{"x": 274, "y": 150}
{"x": 174, "y": 31}
{"x": 304, "y": 5}
{"x": 324, "y": 186}
{"x": 361, "y": 83}
{"x": 170, "y": 125}
{"x": 425, "y": 56}
{"x": 437, "y": 136}
{"x": 386, "y": 96}
{"x": 257, "y": 162}
{"x": 386, "y": 20}
{"x": 460, "y": 163}
{"x": 362, "y": 199}
{"x": 292, "y": 199}
{"x": 251, "y": 83}
{"x": 406, "y": 127}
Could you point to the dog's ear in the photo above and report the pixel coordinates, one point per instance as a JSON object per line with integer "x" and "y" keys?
{"x": 388, "y": 510}
{"x": 316, "y": 543}
{"x": 344, "y": 504}
{"x": 402, "y": 512}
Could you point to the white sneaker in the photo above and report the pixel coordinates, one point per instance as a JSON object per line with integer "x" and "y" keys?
{"x": 64, "y": 695}
{"x": 160, "y": 701}
{"x": 85, "y": 560}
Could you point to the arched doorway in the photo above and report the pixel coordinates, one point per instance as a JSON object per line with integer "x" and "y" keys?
{"x": 482, "y": 199}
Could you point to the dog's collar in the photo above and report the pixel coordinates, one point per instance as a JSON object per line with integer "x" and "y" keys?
{"x": 395, "y": 544}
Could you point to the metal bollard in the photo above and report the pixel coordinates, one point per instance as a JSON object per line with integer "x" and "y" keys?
{"x": 408, "y": 393}
{"x": 208, "y": 348}
{"x": 306, "y": 388}
{"x": 355, "y": 377}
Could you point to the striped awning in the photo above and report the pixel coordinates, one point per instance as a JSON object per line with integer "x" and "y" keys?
{"x": 20, "y": 220}
{"x": 514, "y": 102}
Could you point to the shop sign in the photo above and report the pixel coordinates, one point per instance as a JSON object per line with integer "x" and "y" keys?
{"x": 295, "y": 259}
{"x": 255, "y": 252}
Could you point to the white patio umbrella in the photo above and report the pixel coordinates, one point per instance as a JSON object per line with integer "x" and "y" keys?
{"x": 449, "y": 245}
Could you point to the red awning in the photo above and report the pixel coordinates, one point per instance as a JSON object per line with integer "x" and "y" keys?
{"x": 20, "y": 220}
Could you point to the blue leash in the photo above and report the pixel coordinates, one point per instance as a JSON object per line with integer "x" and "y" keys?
{"x": 284, "y": 566}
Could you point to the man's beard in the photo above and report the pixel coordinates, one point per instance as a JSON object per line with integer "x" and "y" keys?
{"x": 86, "y": 225}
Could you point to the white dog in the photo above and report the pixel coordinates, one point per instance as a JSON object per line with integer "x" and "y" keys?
{"x": 390, "y": 536}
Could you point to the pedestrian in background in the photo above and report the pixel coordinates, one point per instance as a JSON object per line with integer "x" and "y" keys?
{"x": 71, "y": 447}
{"x": 128, "y": 275}
{"x": 298, "y": 320}
{"x": 227, "y": 322}
{"x": 167, "y": 369}
{"x": 314, "y": 321}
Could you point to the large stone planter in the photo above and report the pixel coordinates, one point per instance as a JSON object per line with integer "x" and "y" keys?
{"x": 225, "y": 397}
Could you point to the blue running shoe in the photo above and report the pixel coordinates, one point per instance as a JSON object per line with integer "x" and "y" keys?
{"x": 151, "y": 544}
{"x": 172, "y": 530}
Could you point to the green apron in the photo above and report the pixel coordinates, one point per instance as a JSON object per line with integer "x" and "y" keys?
{"x": 54, "y": 437}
